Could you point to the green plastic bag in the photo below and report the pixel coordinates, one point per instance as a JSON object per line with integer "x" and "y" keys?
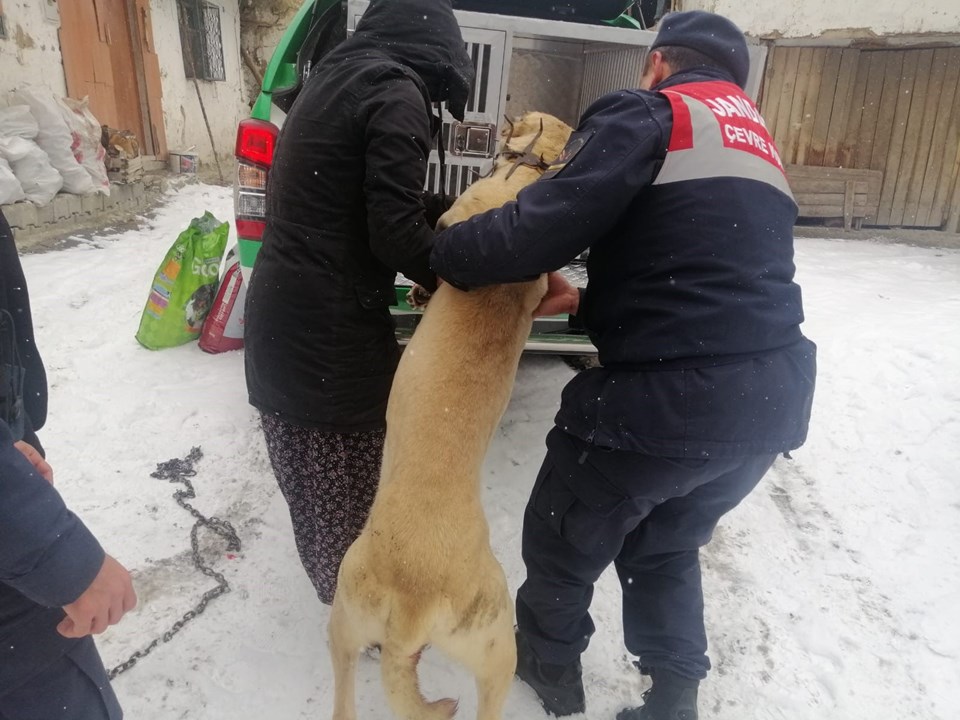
{"x": 185, "y": 285}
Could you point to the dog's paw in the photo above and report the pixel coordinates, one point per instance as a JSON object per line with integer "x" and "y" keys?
{"x": 444, "y": 709}
{"x": 418, "y": 297}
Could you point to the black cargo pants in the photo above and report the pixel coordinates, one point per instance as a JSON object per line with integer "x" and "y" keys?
{"x": 649, "y": 516}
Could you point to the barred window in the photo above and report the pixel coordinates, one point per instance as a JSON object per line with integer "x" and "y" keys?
{"x": 201, "y": 40}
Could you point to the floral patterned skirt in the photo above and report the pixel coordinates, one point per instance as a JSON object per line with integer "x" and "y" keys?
{"x": 329, "y": 480}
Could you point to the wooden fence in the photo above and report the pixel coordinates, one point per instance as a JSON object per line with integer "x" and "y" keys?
{"x": 896, "y": 111}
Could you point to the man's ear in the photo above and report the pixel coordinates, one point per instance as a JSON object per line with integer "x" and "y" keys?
{"x": 655, "y": 70}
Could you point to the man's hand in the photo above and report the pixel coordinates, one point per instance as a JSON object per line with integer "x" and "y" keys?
{"x": 561, "y": 297}
{"x": 36, "y": 459}
{"x": 108, "y": 598}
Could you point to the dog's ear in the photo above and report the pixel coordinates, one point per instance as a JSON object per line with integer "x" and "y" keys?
{"x": 507, "y": 131}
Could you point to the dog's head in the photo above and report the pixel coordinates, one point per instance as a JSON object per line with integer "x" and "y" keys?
{"x": 520, "y": 132}
{"x": 548, "y": 136}
{"x": 530, "y": 122}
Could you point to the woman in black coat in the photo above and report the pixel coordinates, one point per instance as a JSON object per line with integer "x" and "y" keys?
{"x": 345, "y": 214}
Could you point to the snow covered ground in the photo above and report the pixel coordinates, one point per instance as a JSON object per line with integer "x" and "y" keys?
{"x": 832, "y": 592}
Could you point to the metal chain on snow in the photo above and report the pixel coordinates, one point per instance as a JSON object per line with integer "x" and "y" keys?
{"x": 178, "y": 471}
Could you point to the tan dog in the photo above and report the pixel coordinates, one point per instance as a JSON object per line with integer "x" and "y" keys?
{"x": 422, "y": 572}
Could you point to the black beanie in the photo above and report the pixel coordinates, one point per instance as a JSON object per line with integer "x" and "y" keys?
{"x": 713, "y": 35}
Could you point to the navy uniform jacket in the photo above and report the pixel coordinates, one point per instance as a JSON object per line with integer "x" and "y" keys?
{"x": 681, "y": 198}
{"x": 15, "y": 300}
{"x": 47, "y": 559}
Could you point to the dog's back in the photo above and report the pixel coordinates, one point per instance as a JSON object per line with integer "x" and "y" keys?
{"x": 422, "y": 571}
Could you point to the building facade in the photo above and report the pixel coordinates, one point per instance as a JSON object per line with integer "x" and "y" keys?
{"x": 153, "y": 67}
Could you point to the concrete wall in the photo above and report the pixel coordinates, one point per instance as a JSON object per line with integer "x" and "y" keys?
{"x": 224, "y": 101}
{"x": 263, "y": 24}
{"x": 31, "y": 51}
{"x": 839, "y": 18}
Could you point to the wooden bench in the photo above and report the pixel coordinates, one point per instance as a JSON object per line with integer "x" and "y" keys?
{"x": 825, "y": 192}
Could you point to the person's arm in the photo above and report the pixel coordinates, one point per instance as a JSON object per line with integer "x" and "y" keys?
{"x": 558, "y": 217}
{"x": 435, "y": 205}
{"x": 397, "y": 142}
{"x": 48, "y": 554}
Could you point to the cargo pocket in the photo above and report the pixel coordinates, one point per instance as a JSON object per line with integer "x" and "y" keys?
{"x": 583, "y": 508}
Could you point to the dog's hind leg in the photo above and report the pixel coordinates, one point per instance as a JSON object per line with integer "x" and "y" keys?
{"x": 398, "y": 668}
{"x": 489, "y": 652}
{"x": 344, "y": 651}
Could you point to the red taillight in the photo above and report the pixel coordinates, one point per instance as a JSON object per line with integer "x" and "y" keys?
{"x": 256, "y": 140}
{"x": 251, "y": 229}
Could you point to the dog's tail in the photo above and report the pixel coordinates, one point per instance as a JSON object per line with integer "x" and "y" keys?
{"x": 399, "y": 672}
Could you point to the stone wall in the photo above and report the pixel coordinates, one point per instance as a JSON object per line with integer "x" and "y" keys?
{"x": 35, "y": 227}
{"x": 31, "y": 50}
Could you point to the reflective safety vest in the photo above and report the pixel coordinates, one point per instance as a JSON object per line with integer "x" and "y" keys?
{"x": 718, "y": 132}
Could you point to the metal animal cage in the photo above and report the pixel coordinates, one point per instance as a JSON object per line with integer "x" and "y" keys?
{"x": 526, "y": 64}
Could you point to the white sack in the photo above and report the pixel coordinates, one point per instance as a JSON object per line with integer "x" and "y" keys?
{"x": 10, "y": 189}
{"x": 55, "y": 138}
{"x": 31, "y": 165}
{"x": 91, "y": 154}
{"x": 18, "y": 121}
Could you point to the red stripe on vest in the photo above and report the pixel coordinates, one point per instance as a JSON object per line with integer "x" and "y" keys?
{"x": 681, "y": 137}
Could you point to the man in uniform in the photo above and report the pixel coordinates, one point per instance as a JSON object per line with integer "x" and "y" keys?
{"x": 679, "y": 193}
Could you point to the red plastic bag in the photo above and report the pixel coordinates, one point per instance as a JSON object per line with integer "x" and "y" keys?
{"x": 223, "y": 328}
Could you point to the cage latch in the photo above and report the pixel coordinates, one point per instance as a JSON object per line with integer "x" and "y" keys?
{"x": 470, "y": 139}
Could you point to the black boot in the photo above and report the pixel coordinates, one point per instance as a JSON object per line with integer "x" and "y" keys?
{"x": 672, "y": 697}
{"x": 559, "y": 687}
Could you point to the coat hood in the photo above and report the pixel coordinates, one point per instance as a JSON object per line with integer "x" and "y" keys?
{"x": 424, "y": 36}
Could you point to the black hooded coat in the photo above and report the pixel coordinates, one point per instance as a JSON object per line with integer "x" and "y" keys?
{"x": 345, "y": 213}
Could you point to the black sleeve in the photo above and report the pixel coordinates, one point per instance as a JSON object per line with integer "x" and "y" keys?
{"x": 618, "y": 148}
{"x": 46, "y": 552}
{"x": 435, "y": 204}
{"x": 397, "y": 139}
